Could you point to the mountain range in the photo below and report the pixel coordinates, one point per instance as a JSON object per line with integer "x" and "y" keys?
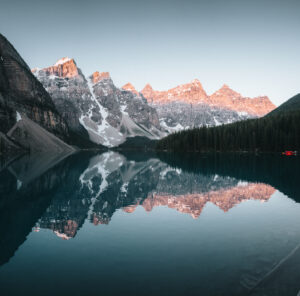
{"x": 125, "y": 112}
{"x": 91, "y": 111}
{"x": 108, "y": 114}
{"x": 188, "y": 105}
{"x": 278, "y": 131}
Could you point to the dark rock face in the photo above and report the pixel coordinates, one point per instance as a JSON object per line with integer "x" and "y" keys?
{"x": 8, "y": 147}
{"x": 34, "y": 138}
{"x": 120, "y": 101}
{"x": 21, "y": 92}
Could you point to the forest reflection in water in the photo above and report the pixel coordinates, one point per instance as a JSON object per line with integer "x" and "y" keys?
{"x": 62, "y": 196}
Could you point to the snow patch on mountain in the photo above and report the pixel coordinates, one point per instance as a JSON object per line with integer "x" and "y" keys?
{"x": 104, "y": 133}
{"x": 18, "y": 116}
{"x": 62, "y": 61}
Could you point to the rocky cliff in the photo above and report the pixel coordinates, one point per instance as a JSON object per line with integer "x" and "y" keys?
{"x": 94, "y": 107}
{"x": 29, "y": 120}
{"x": 21, "y": 92}
{"x": 71, "y": 95}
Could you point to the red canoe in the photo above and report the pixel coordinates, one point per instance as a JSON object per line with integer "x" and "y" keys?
{"x": 289, "y": 153}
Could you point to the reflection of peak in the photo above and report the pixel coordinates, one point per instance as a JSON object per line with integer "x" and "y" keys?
{"x": 62, "y": 235}
{"x": 100, "y": 166}
{"x": 225, "y": 199}
{"x": 100, "y": 220}
{"x": 130, "y": 209}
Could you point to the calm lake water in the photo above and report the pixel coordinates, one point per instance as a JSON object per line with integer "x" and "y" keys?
{"x": 145, "y": 224}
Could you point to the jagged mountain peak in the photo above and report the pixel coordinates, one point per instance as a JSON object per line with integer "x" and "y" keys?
{"x": 98, "y": 76}
{"x": 147, "y": 87}
{"x": 225, "y": 90}
{"x": 62, "y": 61}
{"x": 225, "y": 86}
{"x": 148, "y": 92}
{"x": 129, "y": 87}
{"x": 98, "y": 110}
{"x": 64, "y": 67}
{"x": 196, "y": 81}
{"x": 191, "y": 92}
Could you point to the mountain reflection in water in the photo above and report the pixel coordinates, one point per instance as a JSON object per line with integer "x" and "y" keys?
{"x": 65, "y": 194}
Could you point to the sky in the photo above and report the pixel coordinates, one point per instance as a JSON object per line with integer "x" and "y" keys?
{"x": 253, "y": 46}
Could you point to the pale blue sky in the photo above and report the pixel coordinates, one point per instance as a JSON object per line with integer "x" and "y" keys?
{"x": 253, "y": 46}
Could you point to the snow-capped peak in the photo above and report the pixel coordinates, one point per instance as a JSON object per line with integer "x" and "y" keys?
{"x": 62, "y": 61}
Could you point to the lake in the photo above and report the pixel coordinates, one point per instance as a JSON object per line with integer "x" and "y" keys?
{"x": 137, "y": 223}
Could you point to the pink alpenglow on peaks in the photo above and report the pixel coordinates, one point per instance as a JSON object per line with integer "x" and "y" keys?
{"x": 97, "y": 76}
{"x": 129, "y": 87}
{"x": 65, "y": 68}
{"x": 192, "y": 92}
{"x": 62, "y": 61}
{"x": 225, "y": 98}
{"x": 194, "y": 203}
{"x": 230, "y": 99}
{"x": 148, "y": 92}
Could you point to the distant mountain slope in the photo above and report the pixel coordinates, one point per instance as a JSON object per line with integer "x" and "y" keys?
{"x": 21, "y": 92}
{"x": 194, "y": 93}
{"x": 189, "y": 106}
{"x": 293, "y": 104}
{"x": 267, "y": 134}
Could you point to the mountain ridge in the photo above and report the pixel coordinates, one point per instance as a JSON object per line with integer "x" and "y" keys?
{"x": 194, "y": 93}
{"x": 182, "y": 107}
{"x": 95, "y": 106}
{"x": 276, "y": 132}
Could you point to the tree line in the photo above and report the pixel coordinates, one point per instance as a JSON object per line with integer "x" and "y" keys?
{"x": 275, "y": 133}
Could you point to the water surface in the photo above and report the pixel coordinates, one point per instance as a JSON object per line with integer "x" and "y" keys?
{"x": 145, "y": 224}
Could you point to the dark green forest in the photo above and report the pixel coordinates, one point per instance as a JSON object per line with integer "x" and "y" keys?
{"x": 275, "y": 132}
